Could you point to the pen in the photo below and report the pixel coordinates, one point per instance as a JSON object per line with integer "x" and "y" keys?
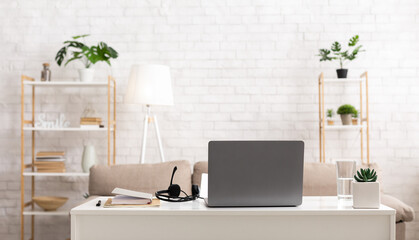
{"x": 98, "y": 203}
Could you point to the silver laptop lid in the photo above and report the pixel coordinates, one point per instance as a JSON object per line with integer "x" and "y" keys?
{"x": 255, "y": 173}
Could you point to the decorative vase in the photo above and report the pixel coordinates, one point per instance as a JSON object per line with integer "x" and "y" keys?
{"x": 354, "y": 121}
{"x": 330, "y": 122}
{"x": 89, "y": 158}
{"x": 346, "y": 119}
{"x": 86, "y": 74}
{"x": 342, "y": 73}
{"x": 366, "y": 194}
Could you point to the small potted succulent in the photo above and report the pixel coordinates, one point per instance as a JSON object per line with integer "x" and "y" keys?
{"x": 355, "y": 117}
{"x": 339, "y": 54}
{"x": 366, "y": 189}
{"x": 87, "y": 55}
{"x": 330, "y": 114}
{"x": 345, "y": 111}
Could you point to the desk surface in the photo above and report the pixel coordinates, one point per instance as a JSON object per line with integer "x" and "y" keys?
{"x": 310, "y": 206}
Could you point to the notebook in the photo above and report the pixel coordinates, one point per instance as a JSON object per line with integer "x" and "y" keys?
{"x": 109, "y": 204}
{"x": 129, "y": 197}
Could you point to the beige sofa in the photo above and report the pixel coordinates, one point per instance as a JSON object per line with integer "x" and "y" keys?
{"x": 319, "y": 180}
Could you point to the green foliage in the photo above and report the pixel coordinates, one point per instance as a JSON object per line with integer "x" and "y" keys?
{"x": 355, "y": 114}
{"x": 366, "y": 175}
{"x": 88, "y": 55}
{"x": 346, "y": 109}
{"x": 339, "y": 54}
{"x": 330, "y": 113}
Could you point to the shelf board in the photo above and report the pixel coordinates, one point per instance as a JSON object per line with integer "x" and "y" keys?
{"x": 66, "y": 84}
{"x": 40, "y": 212}
{"x": 68, "y": 129}
{"x": 66, "y": 174}
{"x": 343, "y": 127}
{"x": 343, "y": 80}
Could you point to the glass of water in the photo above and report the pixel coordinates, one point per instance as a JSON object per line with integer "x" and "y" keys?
{"x": 345, "y": 170}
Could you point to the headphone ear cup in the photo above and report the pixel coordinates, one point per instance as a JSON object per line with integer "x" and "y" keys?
{"x": 174, "y": 190}
{"x": 195, "y": 191}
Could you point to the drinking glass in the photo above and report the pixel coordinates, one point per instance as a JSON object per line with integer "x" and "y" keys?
{"x": 345, "y": 170}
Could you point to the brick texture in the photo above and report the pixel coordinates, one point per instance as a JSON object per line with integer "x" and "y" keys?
{"x": 241, "y": 69}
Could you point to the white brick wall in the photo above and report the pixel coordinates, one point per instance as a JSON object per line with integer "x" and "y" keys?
{"x": 243, "y": 69}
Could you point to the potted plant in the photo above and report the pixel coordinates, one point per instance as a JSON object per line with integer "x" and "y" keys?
{"x": 341, "y": 55}
{"x": 355, "y": 117}
{"x": 87, "y": 55}
{"x": 330, "y": 114}
{"x": 345, "y": 111}
{"x": 366, "y": 189}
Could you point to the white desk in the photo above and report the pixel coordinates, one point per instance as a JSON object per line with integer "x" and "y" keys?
{"x": 317, "y": 218}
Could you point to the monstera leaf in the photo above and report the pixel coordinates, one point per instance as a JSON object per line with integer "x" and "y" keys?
{"x": 89, "y": 55}
{"x": 339, "y": 54}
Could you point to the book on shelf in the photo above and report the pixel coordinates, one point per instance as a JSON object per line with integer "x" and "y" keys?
{"x": 48, "y": 163}
{"x": 50, "y": 159}
{"x": 93, "y": 119}
{"x": 90, "y": 126}
{"x": 90, "y": 121}
{"x": 58, "y": 170}
{"x": 50, "y": 154}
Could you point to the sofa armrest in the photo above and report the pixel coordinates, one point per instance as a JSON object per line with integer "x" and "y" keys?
{"x": 404, "y": 212}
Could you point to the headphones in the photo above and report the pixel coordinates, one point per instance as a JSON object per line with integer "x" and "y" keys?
{"x": 174, "y": 190}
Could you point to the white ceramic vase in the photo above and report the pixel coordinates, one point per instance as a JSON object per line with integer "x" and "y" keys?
{"x": 86, "y": 74}
{"x": 366, "y": 194}
{"x": 89, "y": 158}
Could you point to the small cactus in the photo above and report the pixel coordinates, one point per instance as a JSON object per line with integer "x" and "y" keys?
{"x": 366, "y": 175}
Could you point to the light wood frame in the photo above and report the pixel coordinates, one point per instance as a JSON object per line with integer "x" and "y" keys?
{"x": 111, "y": 87}
{"x": 322, "y": 118}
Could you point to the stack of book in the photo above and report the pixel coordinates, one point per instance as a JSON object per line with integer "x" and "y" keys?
{"x": 50, "y": 162}
{"x": 90, "y": 122}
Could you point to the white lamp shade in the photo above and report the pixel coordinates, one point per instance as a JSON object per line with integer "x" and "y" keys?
{"x": 150, "y": 84}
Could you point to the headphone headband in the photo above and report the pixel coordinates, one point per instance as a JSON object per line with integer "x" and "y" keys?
{"x": 173, "y": 192}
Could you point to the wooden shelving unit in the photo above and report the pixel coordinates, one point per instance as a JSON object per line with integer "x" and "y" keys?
{"x": 28, "y": 170}
{"x": 363, "y": 128}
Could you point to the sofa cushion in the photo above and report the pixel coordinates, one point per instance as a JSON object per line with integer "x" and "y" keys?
{"x": 198, "y": 169}
{"x": 320, "y": 178}
{"x": 404, "y": 212}
{"x": 139, "y": 177}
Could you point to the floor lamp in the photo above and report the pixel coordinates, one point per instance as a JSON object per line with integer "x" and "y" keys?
{"x": 150, "y": 85}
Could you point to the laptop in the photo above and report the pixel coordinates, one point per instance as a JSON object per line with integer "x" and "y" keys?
{"x": 255, "y": 173}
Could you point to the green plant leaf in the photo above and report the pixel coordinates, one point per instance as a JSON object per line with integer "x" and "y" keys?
{"x": 61, "y": 55}
{"x": 324, "y": 54}
{"x": 346, "y": 109}
{"x": 81, "y": 36}
{"x": 74, "y": 44}
{"x": 336, "y": 47}
{"x": 75, "y": 56}
{"x": 92, "y": 55}
{"x": 353, "y": 41}
{"x": 359, "y": 174}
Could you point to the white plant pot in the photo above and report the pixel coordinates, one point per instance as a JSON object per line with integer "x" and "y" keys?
{"x": 366, "y": 194}
{"x": 86, "y": 74}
